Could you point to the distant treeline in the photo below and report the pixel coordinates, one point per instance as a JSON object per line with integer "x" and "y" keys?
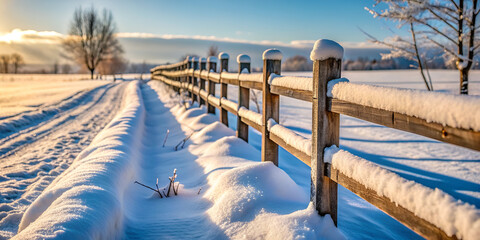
{"x": 301, "y": 63}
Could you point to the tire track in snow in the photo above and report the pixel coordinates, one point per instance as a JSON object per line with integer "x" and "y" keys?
{"x": 48, "y": 149}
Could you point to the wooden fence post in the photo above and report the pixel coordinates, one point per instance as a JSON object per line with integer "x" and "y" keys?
{"x": 194, "y": 79}
{"x": 188, "y": 79}
{"x": 203, "y": 67}
{"x": 223, "y": 86}
{"x": 272, "y": 62}
{"x": 212, "y": 66}
{"x": 327, "y": 64}
{"x": 243, "y": 96}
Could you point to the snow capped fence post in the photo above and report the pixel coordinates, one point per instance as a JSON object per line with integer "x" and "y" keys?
{"x": 212, "y": 67}
{"x": 203, "y": 66}
{"x": 327, "y": 62}
{"x": 272, "y": 62}
{"x": 223, "y": 86}
{"x": 194, "y": 79}
{"x": 243, "y": 96}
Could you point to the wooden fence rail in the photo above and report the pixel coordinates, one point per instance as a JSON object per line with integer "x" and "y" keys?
{"x": 199, "y": 77}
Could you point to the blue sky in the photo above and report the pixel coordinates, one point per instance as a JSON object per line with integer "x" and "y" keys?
{"x": 247, "y": 20}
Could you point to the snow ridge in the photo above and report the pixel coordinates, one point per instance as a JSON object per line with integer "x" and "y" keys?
{"x": 90, "y": 191}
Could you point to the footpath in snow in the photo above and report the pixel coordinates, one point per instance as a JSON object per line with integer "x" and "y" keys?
{"x": 225, "y": 191}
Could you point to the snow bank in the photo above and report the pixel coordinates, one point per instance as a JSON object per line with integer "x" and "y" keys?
{"x": 249, "y": 199}
{"x": 451, "y": 215}
{"x": 443, "y": 108}
{"x": 85, "y": 201}
{"x": 325, "y": 49}
{"x": 272, "y": 54}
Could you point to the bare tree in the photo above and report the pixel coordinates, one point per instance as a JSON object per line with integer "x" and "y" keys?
{"x": 56, "y": 67}
{"x": 212, "y": 51}
{"x": 297, "y": 63}
{"x": 409, "y": 49}
{"x": 17, "y": 62}
{"x": 92, "y": 38}
{"x": 5, "y": 62}
{"x": 448, "y": 24}
{"x": 113, "y": 65}
{"x": 66, "y": 68}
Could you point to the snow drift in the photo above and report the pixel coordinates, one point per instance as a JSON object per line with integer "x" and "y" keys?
{"x": 85, "y": 202}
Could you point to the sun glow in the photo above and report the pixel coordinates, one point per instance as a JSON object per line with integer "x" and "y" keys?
{"x": 30, "y": 36}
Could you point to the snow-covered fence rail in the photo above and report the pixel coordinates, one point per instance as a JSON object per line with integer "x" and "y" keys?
{"x": 331, "y": 96}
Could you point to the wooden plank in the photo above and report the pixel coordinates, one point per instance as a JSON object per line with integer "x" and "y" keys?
{"x": 293, "y": 93}
{"x": 228, "y": 108}
{"x": 325, "y": 132}
{"x": 409, "y": 219}
{"x": 230, "y": 81}
{"x": 213, "y": 103}
{"x": 252, "y": 124}
{"x": 460, "y": 137}
{"x": 291, "y": 149}
{"x": 252, "y": 85}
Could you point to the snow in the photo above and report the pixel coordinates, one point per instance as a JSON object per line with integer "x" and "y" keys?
{"x": 293, "y": 82}
{"x": 272, "y": 54}
{"x": 88, "y": 192}
{"x": 212, "y": 59}
{"x": 443, "y": 108}
{"x": 452, "y": 216}
{"x": 214, "y": 99}
{"x": 243, "y": 58}
{"x": 250, "y": 115}
{"x": 228, "y": 103}
{"x": 451, "y": 169}
{"x": 20, "y": 93}
{"x": 214, "y": 75}
{"x": 290, "y": 137}
{"x": 324, "y": 49}
{"x": 229, "y": 75}
{"x": 203, "y": 59}
{"x": 223, "y": 55}
{"x": 225, "y": 191}
{"x": 254, "y": 77}
{"x": 332, "y": 83}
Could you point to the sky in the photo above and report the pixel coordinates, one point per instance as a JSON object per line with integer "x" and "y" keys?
{"x": 159, "y": 31}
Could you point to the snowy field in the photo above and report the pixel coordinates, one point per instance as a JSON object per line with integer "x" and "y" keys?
{"x": 224, "y": 191}
{"x": 62, "y": 114}
{"x": 28, "y": 92}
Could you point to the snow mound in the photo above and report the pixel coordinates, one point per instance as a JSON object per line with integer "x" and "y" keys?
{"x": 325, "y": 49}
{"x": 90, "y": 191}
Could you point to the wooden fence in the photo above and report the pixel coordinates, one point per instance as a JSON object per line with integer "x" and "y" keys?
{"x": 193, "y": 74}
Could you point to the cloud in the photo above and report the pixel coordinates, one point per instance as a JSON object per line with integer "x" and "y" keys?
{"x": 31, "y": 37}
{"x": 45, "y": 46}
